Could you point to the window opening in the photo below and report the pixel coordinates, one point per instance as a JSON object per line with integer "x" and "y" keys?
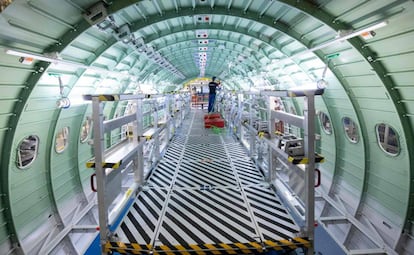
{"x": 351, "y": 129}
{"x": 325, "y": 122}
{"x": 388, "y": 139}
{"x": 85, "y": 129}
{"x": 27, "y": 151}
{"x": 62, "y": 140}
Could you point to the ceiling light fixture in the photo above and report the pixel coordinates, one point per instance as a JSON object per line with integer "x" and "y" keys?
{"x": 53, "y": 58}
{"x": 344, "y": 37}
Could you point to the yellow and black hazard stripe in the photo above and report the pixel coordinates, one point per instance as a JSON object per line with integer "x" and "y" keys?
{"x": 128, "y": 248}
{"x": 301, "y": 160}
{"x": 298, "y": 160}
{"x": 287, "y": 244}
{"x": 302, "y": 242}
{"x": 291, "y": 94}
{"x": 108, "y": 97}
{"x": 91, "y": 164}
{"x": 204, "y": 249}
{"x": 148, "y": 137}
{"x": 102, "y": 97}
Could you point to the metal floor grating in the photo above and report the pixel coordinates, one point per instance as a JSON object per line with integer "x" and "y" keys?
{"x": 205, "y": 197}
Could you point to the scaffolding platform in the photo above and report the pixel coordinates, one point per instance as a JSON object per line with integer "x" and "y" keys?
{"x": 206, "y": 196}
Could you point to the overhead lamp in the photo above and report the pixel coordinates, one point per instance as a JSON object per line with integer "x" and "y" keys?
{"x": 344, "y": 37}
{"x": 29, "y": 55}
{"x": 53, "y": 58}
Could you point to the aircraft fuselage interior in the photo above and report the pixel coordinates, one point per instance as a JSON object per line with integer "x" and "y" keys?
{"x": 207, "y": 127}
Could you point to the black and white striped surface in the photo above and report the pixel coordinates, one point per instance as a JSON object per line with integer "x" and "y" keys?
{"x": 205, "y": 195}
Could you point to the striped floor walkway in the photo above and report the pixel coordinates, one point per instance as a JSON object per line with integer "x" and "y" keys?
{"x": 205, "y": 197}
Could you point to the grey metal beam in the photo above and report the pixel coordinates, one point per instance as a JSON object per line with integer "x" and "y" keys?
{"x": 289, "y": 118}
{"x": 367, "y": 251}
{"x": 114, "y": 123}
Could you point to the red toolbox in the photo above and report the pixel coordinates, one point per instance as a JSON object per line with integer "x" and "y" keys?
{"x": 217, "y": 122}
{"x": 212, "y": 116}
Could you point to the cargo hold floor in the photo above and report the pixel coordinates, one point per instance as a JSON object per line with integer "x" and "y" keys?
{"x": 206, "y": 196}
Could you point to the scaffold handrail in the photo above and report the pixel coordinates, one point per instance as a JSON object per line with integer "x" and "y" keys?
{"x": 118, "y": 155}
{"x": 120, "y": 97}
{"x": 287, "y": 93}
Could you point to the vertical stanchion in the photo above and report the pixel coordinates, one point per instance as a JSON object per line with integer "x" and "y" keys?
{"x": 139, "y": 167}
{"x": 240, "y": 113}
{"x": 157, "y": 135}
{"x": 167, "y": 117}
{"x": 252, "y": 133}
{"x": 271, "y": 154}
{"x": 309, "y": 143}
{"x": 98, "y": 142}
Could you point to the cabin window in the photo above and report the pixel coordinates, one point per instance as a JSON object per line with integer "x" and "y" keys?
{"x": 351, "y": 129}
{"x": 27, "y": 151}
{"x": 85, "y": 130}
{"x": 62, "y": 140}
{"x": 388, "y": 139}
{"x": 325, "y": 123}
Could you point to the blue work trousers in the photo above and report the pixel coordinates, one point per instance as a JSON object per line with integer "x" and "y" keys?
{"x": 211, "y": 99}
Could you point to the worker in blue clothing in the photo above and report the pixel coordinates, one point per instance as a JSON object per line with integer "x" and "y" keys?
{"x": 212, "y": 93}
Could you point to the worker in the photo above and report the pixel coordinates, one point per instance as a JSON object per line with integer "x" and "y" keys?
{"x": 212, "y": 94}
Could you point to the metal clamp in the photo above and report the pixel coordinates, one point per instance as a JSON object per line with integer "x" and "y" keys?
{"x": 93, "y": 188}
{"x": 318, "y": 176}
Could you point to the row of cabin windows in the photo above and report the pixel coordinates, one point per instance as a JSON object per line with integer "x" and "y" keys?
{"x": 387, "y": 137}
{"x": 28, "y": 146}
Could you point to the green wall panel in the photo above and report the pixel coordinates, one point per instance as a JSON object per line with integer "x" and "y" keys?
{"x": 356, "y": 69}
{"x": 4, "y": 121}
{"x": 383, "y": 198}
{"x": 67, "y": 189}
{"x": 32, "y": 180}
{"x": 377, "y": 93}
{"x": 9, "y": 91}
{"x": 400, "y": 62}
{"x": 33, "y": 218}
{"x": 403, "y": 78}
{"x": 4, "y": 232}
{"x": 26, "y": 201}
{"x": 37, "y": 119}
{"x": 41, "y": 105}
{"x": 407, "y": 93}
{"x": 370, "y": 81}
{"x": 29, "y": 195}
{"x": 14, "y": 75}
{"x": 374, "y": 107}
{"x": 6, "y": 106}
{"x": 394, "y": 171}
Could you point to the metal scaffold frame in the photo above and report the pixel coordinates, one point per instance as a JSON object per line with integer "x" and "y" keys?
{"x": 248, "y": 127}
{"x": 130, "y": 151}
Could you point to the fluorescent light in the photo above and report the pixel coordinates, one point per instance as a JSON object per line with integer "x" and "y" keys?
{"x": 27, "y": 55}
{"x": 54, "y": 60}
{"x": 344, "y": 37}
